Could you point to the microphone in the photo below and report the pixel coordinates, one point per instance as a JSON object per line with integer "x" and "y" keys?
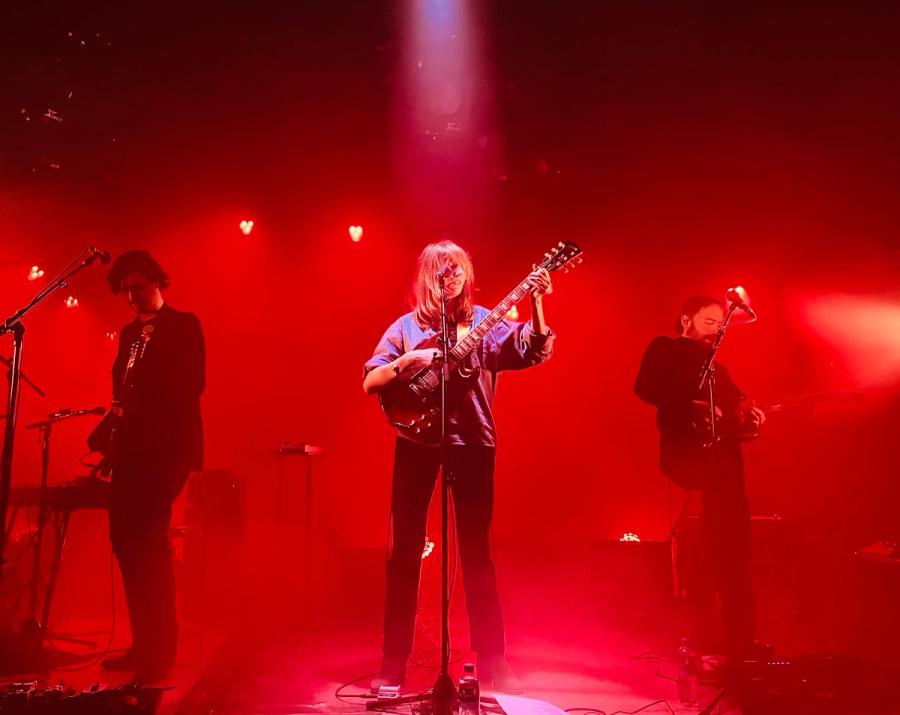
{"x": 736, "y": 297}
{"x": 444, "y": 271}
{"x": 100, "y": 255}
{"x": 66, "y": 412}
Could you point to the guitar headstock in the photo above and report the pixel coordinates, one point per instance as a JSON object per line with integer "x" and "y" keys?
{"x": 564, "y": 256}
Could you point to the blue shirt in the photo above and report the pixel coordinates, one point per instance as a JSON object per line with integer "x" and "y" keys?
{"x": 508, "y": 346}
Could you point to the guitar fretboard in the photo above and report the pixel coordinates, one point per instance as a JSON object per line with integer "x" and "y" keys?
{"x": 467, "y": 344}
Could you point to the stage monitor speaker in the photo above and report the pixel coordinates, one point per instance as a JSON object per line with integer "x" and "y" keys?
{"x": 633, "y": 579}
{"x": 214, "y": 531}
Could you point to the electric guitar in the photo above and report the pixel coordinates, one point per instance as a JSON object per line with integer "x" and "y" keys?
{"x": 749, "y": 429}
{"x": 102, "y": 438}
{"x": 413, "y": 406}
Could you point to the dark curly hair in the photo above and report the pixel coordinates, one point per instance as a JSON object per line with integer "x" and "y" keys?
{"x": 136, "y": 262}
{"x": 694, "y": 305}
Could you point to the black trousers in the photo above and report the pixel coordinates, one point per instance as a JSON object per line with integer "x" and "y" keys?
{"x": 139, "y": 515}
{"x": 471, "y": 469}
{"x": 726, "y": 521}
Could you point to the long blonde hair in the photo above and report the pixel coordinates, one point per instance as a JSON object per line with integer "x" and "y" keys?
{"x": 426, "y": 289}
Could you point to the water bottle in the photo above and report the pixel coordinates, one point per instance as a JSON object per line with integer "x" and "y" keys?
{"x": 468, "y": 694}
{"x": 687, "y": 675}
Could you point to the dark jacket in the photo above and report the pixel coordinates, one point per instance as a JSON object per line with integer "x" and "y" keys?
{"x": 669, "y": 379}
{"x": 161, "y": 425}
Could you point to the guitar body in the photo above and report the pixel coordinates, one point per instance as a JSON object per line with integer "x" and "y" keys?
{"x": 736, "y": 424}
{"x": 101, "y": 437}
{"x": 414, "y": 407}
{"x": 746, "y": 429}
{"x": 413, "y": 415}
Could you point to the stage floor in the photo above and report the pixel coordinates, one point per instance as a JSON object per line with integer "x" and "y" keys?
{"x": 298, "y": 669}
{"x": 599, "y": 644}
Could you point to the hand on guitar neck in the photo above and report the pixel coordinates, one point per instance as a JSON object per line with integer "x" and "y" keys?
{"x": 542, "y": 285}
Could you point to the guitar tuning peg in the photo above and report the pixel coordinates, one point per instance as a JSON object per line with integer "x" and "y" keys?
{"x": 561, "y": 244}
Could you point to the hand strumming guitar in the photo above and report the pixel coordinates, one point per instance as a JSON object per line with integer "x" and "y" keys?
{"x": 750, "y": 416}
{"x": 411, "y": 362}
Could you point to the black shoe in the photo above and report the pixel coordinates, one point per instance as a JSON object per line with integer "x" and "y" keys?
{"x": 129, "y": 660}
{"x": 760, "y": 651}
{"x": 153, "y": 671}
{"x": 750, "y": 651}
{"x": 494, "y": 672}
{"x": 391, "y": 673}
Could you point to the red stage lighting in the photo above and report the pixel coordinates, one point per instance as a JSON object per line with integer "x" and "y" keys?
{"x": 246, "y": 227}
{"x": 356, "y": 233}
{"x": 35, "y": 273}
{"x": 864, "y": 332}
{"x": 71, "y": 302}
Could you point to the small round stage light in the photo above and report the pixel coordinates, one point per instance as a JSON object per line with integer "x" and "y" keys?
{"x": 630, "y": 537}
{"x": 71, "y": 302}
{"x": 246, "y": 227}
{"x": 513, "y": 313}
{"x": 356, "y": 233}
{"x": 35, "y": 273}
{"x": 429, "y": 547}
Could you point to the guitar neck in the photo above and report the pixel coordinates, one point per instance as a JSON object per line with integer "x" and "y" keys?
{"x": 467, "y": 344}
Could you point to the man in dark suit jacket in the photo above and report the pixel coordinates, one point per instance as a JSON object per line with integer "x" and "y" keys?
{"x": 669, "y": 379}
{"x": 157, "y": 439}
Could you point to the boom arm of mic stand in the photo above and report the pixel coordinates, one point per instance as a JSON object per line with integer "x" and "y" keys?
{"x": 720, "y": 336}
{"x": 60, "y": 281}
{"x": 707, "y": 374}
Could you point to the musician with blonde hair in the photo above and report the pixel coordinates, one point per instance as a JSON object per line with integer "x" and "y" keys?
{"x": 471, "y": 441}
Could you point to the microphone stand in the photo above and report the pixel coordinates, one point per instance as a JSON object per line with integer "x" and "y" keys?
{"x": 708, "y": 375}
{"x": 708, "y": 380}
{"x": 34, "y": 625}
{"x": 25, "y": 379}
{"x": 13, "y": 324}
{"x": 443, "y": 692}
